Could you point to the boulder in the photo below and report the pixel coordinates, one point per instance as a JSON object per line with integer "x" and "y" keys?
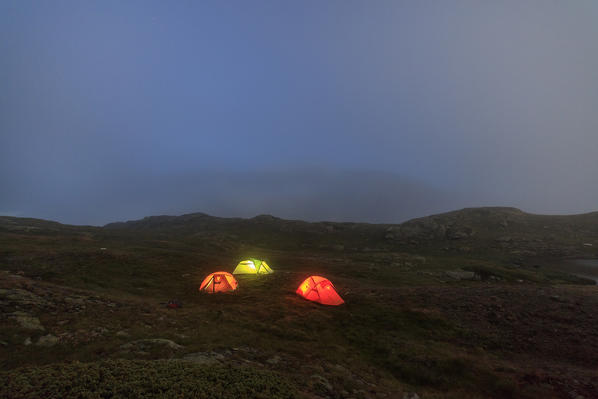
{"x": 458, "y": 233}
{"x": 47, "y": 341}
{"x": 462, "y": 275}
{"x": 204, "y": 358}
{"x": 504, "y": 239}
{"x": 143, "y": 344}
{"x": 321, "y": 383}
{"x": 27, "y": 321}
{"x": 21, "y": 297}
{"x": 273, "y": 360}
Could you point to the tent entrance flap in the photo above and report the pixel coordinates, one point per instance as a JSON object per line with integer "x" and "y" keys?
{"x": 218, "y": 282}
{"x": 253, "y": 266}
{"x": 320, "y": 290}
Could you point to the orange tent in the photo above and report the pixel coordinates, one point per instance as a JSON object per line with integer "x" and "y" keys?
{"x": 218, "y": 282}
{"x": 319, "y": 289}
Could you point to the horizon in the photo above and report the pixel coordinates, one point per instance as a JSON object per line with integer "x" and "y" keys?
{"x": 340, "y": 111}
{"x": 303, "y": 220}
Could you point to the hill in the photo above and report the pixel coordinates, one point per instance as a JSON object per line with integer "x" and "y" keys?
{"x": 471, "y": 303}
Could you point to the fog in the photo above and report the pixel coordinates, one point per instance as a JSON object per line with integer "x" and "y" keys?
{"x": 361, "y": 111}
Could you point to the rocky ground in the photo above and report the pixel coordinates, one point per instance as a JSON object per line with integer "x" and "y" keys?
{"x": 537, "y": 339}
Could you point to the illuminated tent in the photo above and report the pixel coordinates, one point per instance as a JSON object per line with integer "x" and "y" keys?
{"x": 319, "y": 289}
{"x": 252, "y": 266}
{"x": 218, "y": 282}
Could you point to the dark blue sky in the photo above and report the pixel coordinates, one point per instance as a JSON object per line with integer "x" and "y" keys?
{"x": 342, "y": 110}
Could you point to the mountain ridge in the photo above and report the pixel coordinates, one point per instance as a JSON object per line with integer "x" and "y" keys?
{"x": 505, "y": 210}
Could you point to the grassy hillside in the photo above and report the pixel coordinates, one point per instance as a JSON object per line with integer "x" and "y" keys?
{"x": 463, "y": 304}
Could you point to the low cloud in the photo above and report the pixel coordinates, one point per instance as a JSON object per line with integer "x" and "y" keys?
{"x": 307, "y": 194}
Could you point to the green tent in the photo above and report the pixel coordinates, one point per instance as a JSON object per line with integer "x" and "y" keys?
{"x": 252, "y": 266}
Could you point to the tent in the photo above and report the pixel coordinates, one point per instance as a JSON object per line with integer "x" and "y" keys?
{"x": 218, "y": 282}
{"x": 319, "y": 289}
{"x": 252, "y": 266}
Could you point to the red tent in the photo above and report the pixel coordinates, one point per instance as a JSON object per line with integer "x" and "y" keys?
{"x": 218, "y": 282}
{"x": 319, "y": 289}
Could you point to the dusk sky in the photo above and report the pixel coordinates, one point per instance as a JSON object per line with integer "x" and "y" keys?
{"x": 375, "y": 111}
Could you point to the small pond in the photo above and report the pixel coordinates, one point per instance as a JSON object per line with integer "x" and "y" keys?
{"x": 587, "y": 268}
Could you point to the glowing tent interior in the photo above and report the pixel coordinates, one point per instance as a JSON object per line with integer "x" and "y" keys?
{"x": 252, "y": 266}
{"x": 319, "y": 289}
{"x": 218, "y": 282}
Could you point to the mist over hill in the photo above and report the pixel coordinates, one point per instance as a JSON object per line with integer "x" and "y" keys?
{"x": 307, "y": 194}
{"x": 311, "y": 194}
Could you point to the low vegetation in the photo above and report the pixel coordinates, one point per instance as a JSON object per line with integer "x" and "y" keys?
{"x": 475, "y": 304}
{"x": 142, "y": 379}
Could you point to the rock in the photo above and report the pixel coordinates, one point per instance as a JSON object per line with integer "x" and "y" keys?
{"x": 557, "y": 298}
{"x": 245, "y": 349}
{"x": 27, "y": 341}
{"x": 143, "y": 344}
{"x": 504, "y": 239}
{"x": 461, "y": 275}
{"x": 321, "y": 382}
{"x": 273, "y": 360}
{"x": 424, "y": 228}
{"x": 203, "y": 357}
{"x": 341, "y": 369}
{"x": 27, "y": 321}
{"x": 453, "y": 233}
{"x": 22, "y": 297}
{"x": 99, "y": 331}
{"x": 75, "y": 300}
{"x": 47, "y": 341}
{"x": 419, "y": 259}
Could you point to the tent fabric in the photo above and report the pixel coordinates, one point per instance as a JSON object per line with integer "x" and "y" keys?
{"x": 218, "y": 282}
{"x": 253, "y": 266}
{"x": 319, "y": 289}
